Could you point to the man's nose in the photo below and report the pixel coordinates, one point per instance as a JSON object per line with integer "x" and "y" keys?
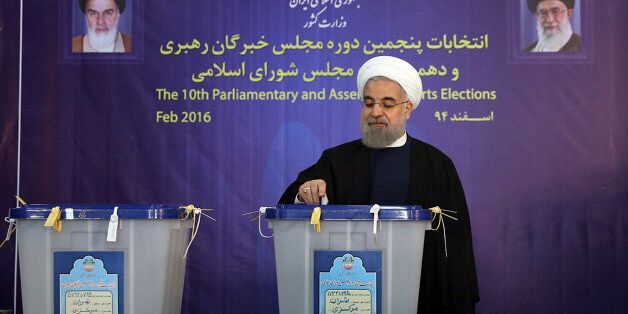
{"x": 100, "y": 20}
{"x": 550, "y": 18}
{"x": 377, "y": 110}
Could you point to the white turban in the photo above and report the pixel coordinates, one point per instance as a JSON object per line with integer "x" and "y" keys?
{"x": 395, "y": 69}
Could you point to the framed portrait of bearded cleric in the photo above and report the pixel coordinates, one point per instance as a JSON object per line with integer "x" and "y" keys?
{"x": 549, "y": 30}
{"x": 100, "y": 30}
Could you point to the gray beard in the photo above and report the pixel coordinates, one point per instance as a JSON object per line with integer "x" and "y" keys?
{"x": 100, "y": 42}
{"x": 552, "y": 41}
{"x": 377, "y": 138}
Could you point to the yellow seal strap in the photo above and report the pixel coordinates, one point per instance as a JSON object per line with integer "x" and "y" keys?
{"x": 54, "y": 219}
{"x": 439, "y": 212}
{"x": 316, "y": 219}
{"x": 19, "y": 199}
{"x": 196, "y": 221}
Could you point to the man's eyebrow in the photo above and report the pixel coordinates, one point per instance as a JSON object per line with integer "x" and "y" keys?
{"x": 551, "y": 8}
{"x": 383, "y": 98}
{"x": 94, "y": 11}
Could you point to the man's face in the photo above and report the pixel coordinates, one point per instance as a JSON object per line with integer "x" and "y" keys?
{"x": 382, "y": 126}
{"x": 552, "y": 16}
{"x": 102, "y": 16}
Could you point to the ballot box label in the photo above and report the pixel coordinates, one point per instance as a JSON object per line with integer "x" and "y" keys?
{"x": 89, "y": 282}
{"x": 347, "y": 281}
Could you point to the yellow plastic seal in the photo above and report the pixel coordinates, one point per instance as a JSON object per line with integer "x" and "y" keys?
{"x": 54, "y": 219}
{"x": 19, "y": 199}
{"x": 316, "y": 219}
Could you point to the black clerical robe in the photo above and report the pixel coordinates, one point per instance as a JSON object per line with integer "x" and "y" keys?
{"x": 448, "y": 285}
{"x": 572, "y": 45}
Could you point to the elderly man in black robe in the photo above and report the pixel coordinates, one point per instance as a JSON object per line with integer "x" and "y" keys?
{"x": 388, "y": 167}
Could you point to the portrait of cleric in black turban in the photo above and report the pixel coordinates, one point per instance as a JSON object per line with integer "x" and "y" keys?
{"x": 557, "y": 24}
{"x": 99, "y": 24}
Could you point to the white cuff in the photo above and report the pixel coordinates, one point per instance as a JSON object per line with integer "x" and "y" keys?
{"x": 324, "y": 200}
{"x": 297, "y": 200}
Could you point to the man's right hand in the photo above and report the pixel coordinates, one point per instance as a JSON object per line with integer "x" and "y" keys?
{"x": 311, "y": 192}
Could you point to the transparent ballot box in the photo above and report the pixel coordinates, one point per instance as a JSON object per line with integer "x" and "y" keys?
{"x": 101, "y": 258}
{"x": 357, "y": 259}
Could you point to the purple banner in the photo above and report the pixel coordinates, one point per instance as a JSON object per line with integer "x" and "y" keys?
{"x": 221, "y": 103}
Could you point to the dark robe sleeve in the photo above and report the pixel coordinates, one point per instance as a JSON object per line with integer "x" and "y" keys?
{"x": 448, "y": 283}
{"x": 320, "y": 170}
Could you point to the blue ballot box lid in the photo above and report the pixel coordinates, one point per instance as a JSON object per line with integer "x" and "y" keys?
{"x": 99, "y": 211}
{"x": 347, "y": 212}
